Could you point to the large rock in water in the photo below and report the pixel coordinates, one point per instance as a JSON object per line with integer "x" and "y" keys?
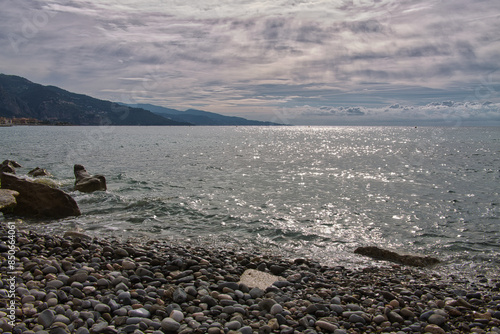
{"x": 9, "y": 166}
{"x": 88, "y": 183}
{"x": 7, "y": 199}
{"x": 39, "y": 200}
{"x": 409, "y": 260}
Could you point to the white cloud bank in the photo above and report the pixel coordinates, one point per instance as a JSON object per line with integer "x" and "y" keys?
{"x": 325, "y": 62}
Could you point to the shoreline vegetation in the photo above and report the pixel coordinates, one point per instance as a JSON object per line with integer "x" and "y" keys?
{"x": 79, "y": 284}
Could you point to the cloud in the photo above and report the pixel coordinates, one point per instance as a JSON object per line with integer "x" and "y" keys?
{"x": 353, "y": 57}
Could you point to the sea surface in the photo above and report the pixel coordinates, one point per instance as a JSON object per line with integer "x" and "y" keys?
{"x": 315, "y": 192}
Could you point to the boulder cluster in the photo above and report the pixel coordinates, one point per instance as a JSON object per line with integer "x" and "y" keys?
{"x": 22, "y": 196}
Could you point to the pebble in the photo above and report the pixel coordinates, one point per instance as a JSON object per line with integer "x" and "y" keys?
{"x": 326, "y": 325}
{"x": 434, "y": 329}
{"x": 102, "y": 286}
{"x": 437, "y": 319}
{"x": 170, "y": 325}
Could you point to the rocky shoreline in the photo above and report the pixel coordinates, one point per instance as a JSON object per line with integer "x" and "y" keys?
{"x": 78, "y": 284}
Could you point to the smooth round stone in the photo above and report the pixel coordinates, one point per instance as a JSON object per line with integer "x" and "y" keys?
{"x": 246, "y": 330}
{"x": 54, "y": 284}
{"x": 102, "y": 282}
{"x": 121, "y": 286}
{"x": 337, "y": 309}
{"x": 394, "y": 317}
{"x": 99, "y": 327}
{"x": 233, "y": 325}
{"x": 46, "y": 318}
{"x": 177, "y": 315}
{"x": 257, "y": 293}
{"x": 353, "y": 307}
{"x": 50, "y": 270}
{"x": 434, "y": 329}
{"x": 102, "y": 308}
{"x": 52, "y": 302}
{"x": 82, "y": 330}
{"x": 425, "y": 316}
{"x": 354, "y": 318}
{"x": 437, "y": 319}
{"x": 128, "y": 265}
{"x": 79, "y": 277}
{"x": 140, "y": 312}
{"x": 266, "y": 304}
{"x": 407, "y": 313}
{"x": 61, "y": 318}
{"x": 276, "y": 308}
{"x": 120, "y": 252}
{"x": 379, "y": 319}
{"x": 327, "y": 326}
{"x": 170, "y": 325}
{"x": 340, "y": 331}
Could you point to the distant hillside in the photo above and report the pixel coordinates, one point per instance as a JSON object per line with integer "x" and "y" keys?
{"x": 199, "y": 117}
{"x": 21, "y": 98}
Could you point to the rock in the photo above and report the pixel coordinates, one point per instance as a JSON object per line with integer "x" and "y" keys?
{"x": 354, "y": 318}
{"x": 170, "y": 325}
{"x": 46, "y": 318}
{"x": 177, "y": 315}
{"x": 410, "y": 260}
{"x": 434, "y": 329}
{"x": 9, "y": 166}
{"x": 258, "y": 279}
{"x": 88, "y": 183}
{"x": 7, "y": 199}
{"x": 394, "y": 317}
{"x": 325, "y": 325}
{"x": 38, "y": 200}
{"x": 437, "y": 319}
{"x": 179, "y": 295}
{"x": 37, "y": 172}
{"x": 276, "y": 308}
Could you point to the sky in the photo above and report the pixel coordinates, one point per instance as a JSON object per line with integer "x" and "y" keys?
{"x": 309, "y": 62}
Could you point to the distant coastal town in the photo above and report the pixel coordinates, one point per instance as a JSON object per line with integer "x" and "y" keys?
{"x": 4, "y": 121}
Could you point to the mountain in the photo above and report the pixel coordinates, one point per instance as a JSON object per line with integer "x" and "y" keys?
{"x": 198, "y": 117}
{"x": 21, "y": 98}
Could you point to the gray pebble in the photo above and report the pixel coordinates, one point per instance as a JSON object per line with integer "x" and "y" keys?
{"x": 437, "y": 319}
{"x": 170, "y": 325}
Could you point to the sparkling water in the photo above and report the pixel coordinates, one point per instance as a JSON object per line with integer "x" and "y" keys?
{"x": 316, "y": 192}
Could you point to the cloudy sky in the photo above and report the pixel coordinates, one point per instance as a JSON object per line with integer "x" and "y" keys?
{"x": 292, "y": 61}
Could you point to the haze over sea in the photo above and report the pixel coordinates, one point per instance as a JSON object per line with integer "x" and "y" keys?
{"x": 316, "y": 192}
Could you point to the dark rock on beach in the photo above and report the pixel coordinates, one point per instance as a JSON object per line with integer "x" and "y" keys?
{"x": 386, "y": 255}
{"x": 88, "y": 183}
{"x": 77, "y": 284}
{"x": 39, "y": 200}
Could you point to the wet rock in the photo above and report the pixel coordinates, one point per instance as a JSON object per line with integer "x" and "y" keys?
{"x": 38, "y": 172}
{"x": 9, "y": 166}
{"x": 386, "y": 255}
{"x": 88, "y": 183}
{"x": 39, "y": 200}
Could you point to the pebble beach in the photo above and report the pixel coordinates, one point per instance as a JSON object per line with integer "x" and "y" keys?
{"x": 75, "y": 283}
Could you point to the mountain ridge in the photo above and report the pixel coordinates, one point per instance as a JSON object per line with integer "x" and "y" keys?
{"x": 200, "y": 117}
{"x": 21, "y": 98}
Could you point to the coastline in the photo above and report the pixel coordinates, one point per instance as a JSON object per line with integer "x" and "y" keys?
{"x": 80, "y": 284}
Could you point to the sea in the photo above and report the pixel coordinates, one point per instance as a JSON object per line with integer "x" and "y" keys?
{"x": 295, "y": 191}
